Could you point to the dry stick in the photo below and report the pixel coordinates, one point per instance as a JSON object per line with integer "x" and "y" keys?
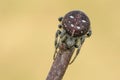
{"x": 60, "y": 64}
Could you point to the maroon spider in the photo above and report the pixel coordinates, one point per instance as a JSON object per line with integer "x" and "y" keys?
{"x": 74, "y": 27}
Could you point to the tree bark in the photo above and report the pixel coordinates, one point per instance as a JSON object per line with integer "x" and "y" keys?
{"x": 60, "y": 63}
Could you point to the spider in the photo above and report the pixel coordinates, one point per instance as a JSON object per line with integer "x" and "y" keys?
{"x": 74, "y": 27}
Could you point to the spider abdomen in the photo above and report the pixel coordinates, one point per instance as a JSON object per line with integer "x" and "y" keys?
{"x": 76, "y": 23}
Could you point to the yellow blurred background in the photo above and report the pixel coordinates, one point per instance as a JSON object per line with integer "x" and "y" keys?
{"x": 27, "y": 30}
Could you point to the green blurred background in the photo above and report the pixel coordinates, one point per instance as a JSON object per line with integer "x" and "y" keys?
{"x": 27, "y": 30}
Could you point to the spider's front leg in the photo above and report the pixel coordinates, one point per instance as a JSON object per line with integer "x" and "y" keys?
{"x": 60, "y": 19}
{"x": 56, "y": 37}
{"x": 78, "y": 45}
{"x": 61, "y": 35}
{"x": 56, "y": 42}
{"x": 89, "y": 33}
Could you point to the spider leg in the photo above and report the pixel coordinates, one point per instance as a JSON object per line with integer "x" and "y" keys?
{"x": 63, "y": 38}
{"x": 82, "y": 39}
{"x": 55, "y": 53}
{"x": 56, "y": 37}
{"x": 61, "y": 35}
{"x": 56, "y": 42}
{"x": 60, "y": 26}
{"x": 60, "y": 19}
{"x": 79, "y": 44}
{"x": 89, "y": 33}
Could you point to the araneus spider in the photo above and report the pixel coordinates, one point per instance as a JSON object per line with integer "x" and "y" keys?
{"x": 74, "y": 27}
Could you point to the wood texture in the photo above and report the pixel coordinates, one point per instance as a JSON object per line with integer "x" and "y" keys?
{"x": 60, "y": 64}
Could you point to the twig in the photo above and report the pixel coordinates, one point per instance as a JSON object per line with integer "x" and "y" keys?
{"x": 60, "y": 64}
{"x": 72, "y": 34}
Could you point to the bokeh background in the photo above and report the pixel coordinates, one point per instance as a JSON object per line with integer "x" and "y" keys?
{"x": 27, "y": 30}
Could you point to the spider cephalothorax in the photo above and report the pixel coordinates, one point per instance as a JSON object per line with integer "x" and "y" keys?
{"x": 74, "y": 28}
